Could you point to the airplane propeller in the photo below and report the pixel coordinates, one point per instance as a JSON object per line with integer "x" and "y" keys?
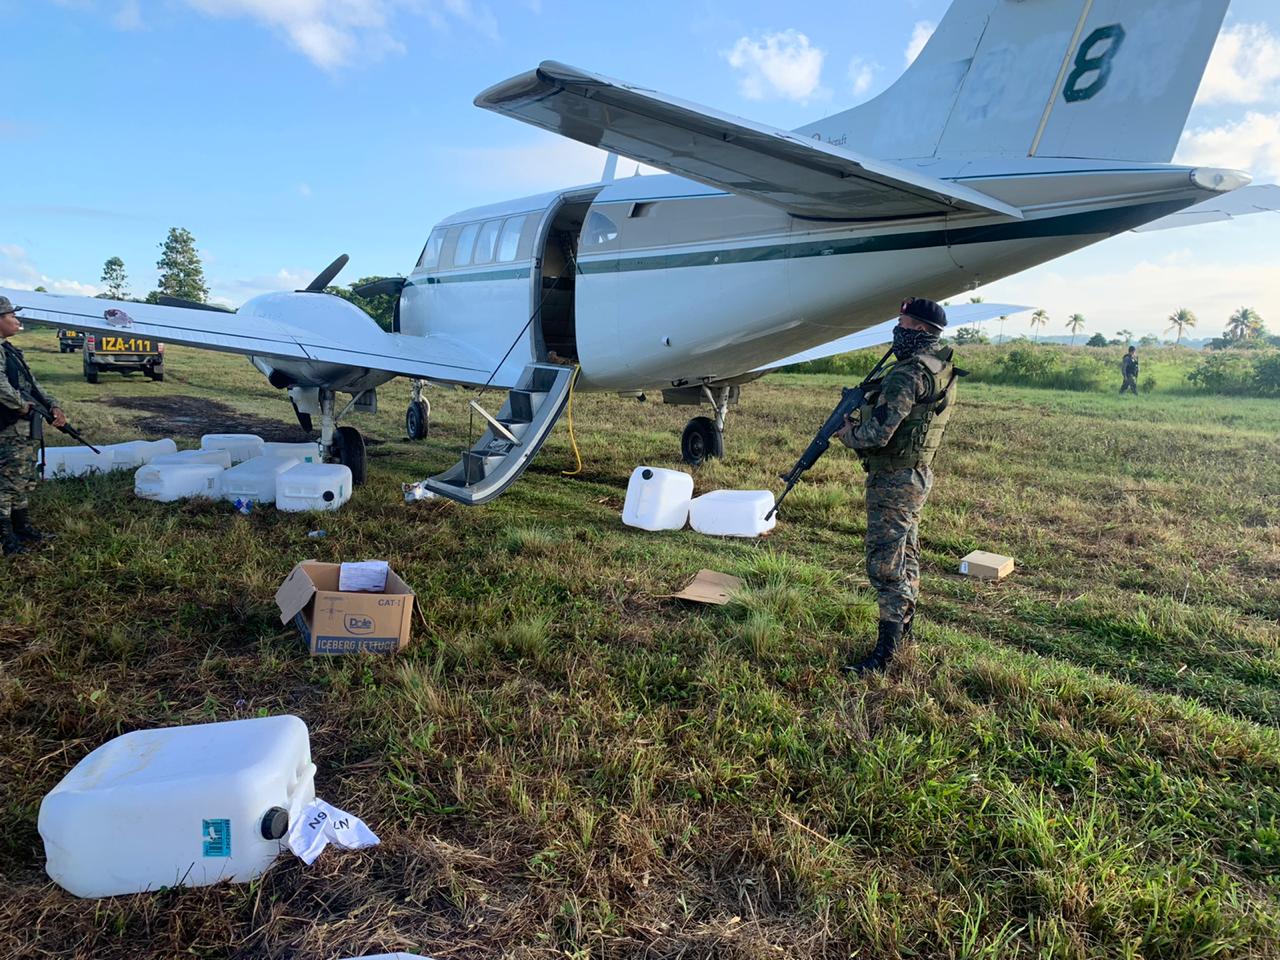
{"x": 326, "y": 276}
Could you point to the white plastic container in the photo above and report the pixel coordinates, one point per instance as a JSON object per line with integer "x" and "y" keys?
{"x": 63, "y": 462}
{"x": 305, "y": 452}
{"x": 136, "y": 453}
{"x": 313, "y": 486}
{"x": 732, "y": 513}
{"x": 657, "y": 499}
{"x": 241, "y": 446}
{"x": 221, "y": 458}
{"x": 167, "y": 482}
{"x": 254, "y": 479}
{"x": 183, "y": 805}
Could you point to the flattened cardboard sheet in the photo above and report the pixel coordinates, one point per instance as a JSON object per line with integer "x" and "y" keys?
{"x": 708, "y": 586}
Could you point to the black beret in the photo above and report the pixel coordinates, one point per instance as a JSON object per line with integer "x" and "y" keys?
{"x": 926, "y": 311}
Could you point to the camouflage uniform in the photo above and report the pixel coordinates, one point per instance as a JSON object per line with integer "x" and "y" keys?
{"x": 19, "y": 451}
{"x": 1129, "y": 369}
{"x": 896, "y": 435}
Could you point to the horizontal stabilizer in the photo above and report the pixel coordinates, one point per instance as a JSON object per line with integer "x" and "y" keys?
{"x": 1260, "y": 198}
{"x": 804, "y": 176}
{"x": 960, "y": 315}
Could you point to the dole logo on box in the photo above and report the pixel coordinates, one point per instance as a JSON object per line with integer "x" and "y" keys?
{"x": 359, "y": 625}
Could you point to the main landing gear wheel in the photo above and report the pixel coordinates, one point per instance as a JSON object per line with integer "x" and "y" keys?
{"x": 417, "y": 419}
{"x": 702, "y": 439}
{"x": 348, "y": 449}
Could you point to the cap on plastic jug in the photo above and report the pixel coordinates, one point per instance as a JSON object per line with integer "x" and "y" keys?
{"x": 275, "y": 823}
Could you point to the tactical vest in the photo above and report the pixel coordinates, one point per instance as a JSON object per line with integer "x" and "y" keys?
{"x": 13, "y": 372}
{"x": 917, "y": 439}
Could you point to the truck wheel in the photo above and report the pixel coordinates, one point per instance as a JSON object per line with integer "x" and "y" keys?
{"x": 156, "y": 375}
{"x": 62, "y": 348}
{"x": 90, "y": 373}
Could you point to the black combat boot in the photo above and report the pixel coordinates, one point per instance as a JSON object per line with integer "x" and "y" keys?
{"x": 886, "y": 643}
{"x": 9, "y": 541}
{"x": 23, "y": 529}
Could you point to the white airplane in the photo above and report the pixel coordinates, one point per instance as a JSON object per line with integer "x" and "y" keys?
{"x": 1026, "y": 129}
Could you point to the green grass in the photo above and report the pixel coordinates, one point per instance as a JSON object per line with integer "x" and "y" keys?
{"x": 1081, "y": 761}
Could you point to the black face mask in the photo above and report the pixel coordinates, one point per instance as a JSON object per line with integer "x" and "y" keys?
{"x": 907, "y": 343}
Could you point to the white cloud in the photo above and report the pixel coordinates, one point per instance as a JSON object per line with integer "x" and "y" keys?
{"x": 17, "y": 270}
{"x": 234, "y": 292}
{"x": 1244, "y": 67}
{"x": 129, "y": 16}
{"x": 861, "y": 76}
{"x": 1252, "y": 144}
{"x": 304, "y": 189}
{"x": 920, "y": 35}
{"x": 777, "y": 65}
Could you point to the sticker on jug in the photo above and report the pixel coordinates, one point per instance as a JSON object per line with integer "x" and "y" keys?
{"x": 217, "y": 838}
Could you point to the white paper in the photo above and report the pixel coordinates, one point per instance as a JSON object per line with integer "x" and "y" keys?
{"x": 321, "y": 824}
{"x": 367, "y": 576}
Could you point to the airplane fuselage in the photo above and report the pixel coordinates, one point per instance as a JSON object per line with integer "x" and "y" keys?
{"x": 658, "y": 281}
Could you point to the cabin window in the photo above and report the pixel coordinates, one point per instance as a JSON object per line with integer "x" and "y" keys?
{"x": 598, "y": 230}
{"x": 509, "y": 242}
{"x": 430, "y": 258}
{"x": 466, "y": 241}
{"x": 486, "y": 241}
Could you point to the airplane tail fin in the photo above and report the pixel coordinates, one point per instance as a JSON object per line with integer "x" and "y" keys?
{"x": 1099, "y": 79}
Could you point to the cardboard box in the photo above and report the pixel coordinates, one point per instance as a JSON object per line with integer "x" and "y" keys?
{"x": 986, "y": 566}
{"x": 333, "y": 622}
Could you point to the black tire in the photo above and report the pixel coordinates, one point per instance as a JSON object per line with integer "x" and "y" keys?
{"x": 701, "y": 440}
{"x": 348, "y": 449}
{"x": 156, "y": 374}
{"x": 90, "y": 373}
{"x": 417, "y": 419}
{"x": 62, "y": 348}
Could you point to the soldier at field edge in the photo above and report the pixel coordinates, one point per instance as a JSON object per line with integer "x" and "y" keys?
{"x": 19, "y": 438}
{"x": 896, "y": 433}
{"x": 1129, "y": 368}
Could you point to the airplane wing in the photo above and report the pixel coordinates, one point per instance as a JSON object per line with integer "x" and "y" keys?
{"x": 1259, "y": 198}
{"x": 959, "y": 315}
{"x": 804, "y": 176}
{"x": 367, "y": 346}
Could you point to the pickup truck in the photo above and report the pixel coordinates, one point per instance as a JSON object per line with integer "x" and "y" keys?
{"x": 124, "y": 352}
{"x": 69, "y": 341}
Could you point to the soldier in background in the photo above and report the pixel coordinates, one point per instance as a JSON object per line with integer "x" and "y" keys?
{"x": 896, "y": 434}
{"x": 19, "y": 438}
{"x": 1129, "y": 368}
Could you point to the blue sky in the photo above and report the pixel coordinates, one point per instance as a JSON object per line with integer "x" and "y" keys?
{"x": 285, "y": 132}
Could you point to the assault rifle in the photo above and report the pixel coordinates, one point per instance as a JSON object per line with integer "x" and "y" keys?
{"x": 850, "y": 400}
{"x": 40, "y": 408}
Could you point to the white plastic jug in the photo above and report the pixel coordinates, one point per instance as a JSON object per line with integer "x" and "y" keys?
{"x": 254, "y": 479}
{"x": 241, "y": 446}
{"x": 167, "y": 482}
{"x": 733, "y": 513}
{"x": 313, "y": 486}
{"x": 221, "y": 458}
{"x": 136, "y": 453}
{"x": 306, "y": 452}
{"x": 63, "y": 462}
{"x": 184, "y": 805}
{"x": 657, "y": 499}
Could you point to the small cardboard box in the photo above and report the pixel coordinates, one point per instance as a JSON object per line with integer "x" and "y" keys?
{"x": 986, "y": 566}
{"x": 333, "y": 622}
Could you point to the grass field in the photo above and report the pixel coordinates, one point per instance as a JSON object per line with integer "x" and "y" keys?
{"x": 1082, "y": 761}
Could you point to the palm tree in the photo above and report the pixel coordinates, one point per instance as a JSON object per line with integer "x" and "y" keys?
{"x": 1039, "y": 319}
{"x": 1180, "y": 321}
{"x": 1125, "y": 335}
{"x": 1244, "y": 324}
{"x": 1074, "y": 325}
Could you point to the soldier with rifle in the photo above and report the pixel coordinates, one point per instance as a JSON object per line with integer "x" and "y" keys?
{"x": 23, "y": 406}
{"x": 894, "y": 423}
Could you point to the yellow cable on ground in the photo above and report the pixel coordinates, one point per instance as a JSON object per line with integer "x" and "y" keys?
{"x": 572, "y": 439}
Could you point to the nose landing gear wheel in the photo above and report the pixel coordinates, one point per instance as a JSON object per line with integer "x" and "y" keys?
{"x": 701, "y": 440}
{"x": 417, "y": 419}
{"x": 348, "y": 449}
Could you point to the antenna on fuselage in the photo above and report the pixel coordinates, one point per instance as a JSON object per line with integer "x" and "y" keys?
{"x": 610, "y": 169}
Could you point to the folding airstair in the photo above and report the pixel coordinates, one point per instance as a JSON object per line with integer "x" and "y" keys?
{"x": 508, "y": 446}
